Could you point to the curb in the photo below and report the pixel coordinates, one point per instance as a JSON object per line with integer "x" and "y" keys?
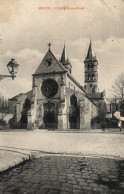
{"x": 13, "y": 164}
{"x": 29, "y": 157}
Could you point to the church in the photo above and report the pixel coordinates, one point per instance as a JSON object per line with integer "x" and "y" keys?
{"x": 57, "y": 101}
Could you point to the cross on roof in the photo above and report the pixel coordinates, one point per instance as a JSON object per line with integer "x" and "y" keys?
{"x": 49, "y": 45}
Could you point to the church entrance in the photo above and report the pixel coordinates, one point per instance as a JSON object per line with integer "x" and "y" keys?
{"x": 73, "y": 113}
{"x": 73, "y": 122}
{"x": 50, "y": 120}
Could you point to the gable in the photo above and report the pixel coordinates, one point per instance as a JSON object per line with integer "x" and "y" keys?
{"x": 46, "y": 67}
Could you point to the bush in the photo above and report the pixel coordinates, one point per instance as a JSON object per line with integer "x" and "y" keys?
{"x": 113, "y": 123}
{"x": 11, "y": 123}
{"x": 105, "y": 122}
{"x": 2, "y": 122}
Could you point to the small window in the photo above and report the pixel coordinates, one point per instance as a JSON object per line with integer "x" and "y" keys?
{"x": 94, "y": 89}
{"x": 92, "y": 77}
{"x": 49, "y": 63}
{"x": 88, "y": 76}
{"x": 92, "y": 66}
{"x": 73, "y": 100}
{"x": 88, "y": 66}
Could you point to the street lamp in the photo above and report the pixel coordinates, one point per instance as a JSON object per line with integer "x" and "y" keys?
{"x": 12, "y": 68}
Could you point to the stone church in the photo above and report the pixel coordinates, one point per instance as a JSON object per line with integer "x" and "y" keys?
{"x": 57, "y": 101}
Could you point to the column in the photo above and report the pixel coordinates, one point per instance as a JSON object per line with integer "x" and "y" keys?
{"x": 82, "y": 114}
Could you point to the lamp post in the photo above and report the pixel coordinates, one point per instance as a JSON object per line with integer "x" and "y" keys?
{"x": 12, "y": 68}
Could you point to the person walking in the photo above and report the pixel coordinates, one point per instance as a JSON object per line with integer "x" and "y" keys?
{"x": 120, "y": 119}
{"x": 120, "y": 125}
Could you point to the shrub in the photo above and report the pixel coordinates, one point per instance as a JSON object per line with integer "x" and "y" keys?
{"x": 2, "y": 122}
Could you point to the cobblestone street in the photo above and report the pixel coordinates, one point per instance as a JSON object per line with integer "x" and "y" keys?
{"x": 63, "y": 175}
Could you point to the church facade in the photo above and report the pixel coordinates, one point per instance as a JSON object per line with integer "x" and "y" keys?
{"x": 57, "y": 101}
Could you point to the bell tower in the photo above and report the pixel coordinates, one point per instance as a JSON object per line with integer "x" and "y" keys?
{"x": 91, "y": 72}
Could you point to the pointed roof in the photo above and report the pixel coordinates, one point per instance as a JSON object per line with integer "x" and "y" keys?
{"x": 50, "y": 64}
{"x": 64, "y": 57}
{"x": 90, "y": 54}
{"x": 68, "y": 60}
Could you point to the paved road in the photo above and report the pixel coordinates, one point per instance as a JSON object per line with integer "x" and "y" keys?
{"x": 64, "y": 175}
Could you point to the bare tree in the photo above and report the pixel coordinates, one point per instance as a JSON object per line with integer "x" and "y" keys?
{"x": 101, "y": 114}
{"x": 114, "y": 104}
{"x": 102, "y": 111}
{"x": 118, "y": 87}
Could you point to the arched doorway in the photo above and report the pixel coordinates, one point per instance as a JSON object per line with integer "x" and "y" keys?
{"x": 50, "y": 115}
{"x": 73, "y": 122}
{"x": 26, "y": 108}
{"x": 73, "y": 113}
{"x": 50, "y": 120}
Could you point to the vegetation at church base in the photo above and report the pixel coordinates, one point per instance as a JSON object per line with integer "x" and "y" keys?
{"x": 107, "y": 123}
{"x": 101, "y": 121}
{"x": 11, "y": 123}
{"x": 118, "y": 87}
{"x": 2, "y": 122}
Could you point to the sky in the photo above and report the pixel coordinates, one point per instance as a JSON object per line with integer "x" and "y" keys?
{"x": 26, "y": 28}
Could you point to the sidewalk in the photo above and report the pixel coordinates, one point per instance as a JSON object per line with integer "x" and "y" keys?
{"x": 12, "y": 157}
{"x": 19, "y": 146}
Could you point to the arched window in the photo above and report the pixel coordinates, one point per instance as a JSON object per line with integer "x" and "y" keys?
{"x": 73, "y": 100}
{"x": 88, "y": 76}
{"x": 92, "y": 66}
{"x": 94, "y": 89}
{"x": 93, "y": 77}
{"x": 88, "y": 66}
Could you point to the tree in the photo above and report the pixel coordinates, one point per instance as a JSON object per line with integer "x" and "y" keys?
{"x": 118, "y": 87}
{"x": 113, "y": 103}
{"x": 101, "y": 114}
{"x": 102, "y": 110}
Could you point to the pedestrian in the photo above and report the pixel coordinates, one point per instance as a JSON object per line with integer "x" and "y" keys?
{"x": 120, "y": 124}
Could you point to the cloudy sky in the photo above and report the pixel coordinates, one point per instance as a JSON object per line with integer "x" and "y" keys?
{"x": 26, "y": 28}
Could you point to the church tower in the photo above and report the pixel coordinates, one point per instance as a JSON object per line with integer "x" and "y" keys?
{"x": 65, "y": 60}
{"x": 91, "y": 72}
